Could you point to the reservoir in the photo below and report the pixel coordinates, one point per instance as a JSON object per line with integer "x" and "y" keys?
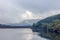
{"x": 19, "y": 34}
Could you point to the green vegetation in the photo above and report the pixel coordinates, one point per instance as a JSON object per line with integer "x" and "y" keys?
{"x": 49, "y": 29}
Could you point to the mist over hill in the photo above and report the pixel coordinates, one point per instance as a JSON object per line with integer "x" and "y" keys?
{"x": 23, "y": 24}
{"x": 26, "y": 22}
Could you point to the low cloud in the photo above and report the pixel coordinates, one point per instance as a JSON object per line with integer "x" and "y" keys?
{"x": 14, "y": 11}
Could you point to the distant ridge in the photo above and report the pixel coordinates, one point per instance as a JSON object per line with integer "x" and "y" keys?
{"x": 49, "y": 19}
{"x": 28, "y": 22}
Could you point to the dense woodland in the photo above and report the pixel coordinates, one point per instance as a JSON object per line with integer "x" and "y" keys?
{"x": 49, "y": 27}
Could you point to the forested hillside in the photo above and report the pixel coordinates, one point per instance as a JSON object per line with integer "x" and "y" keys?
{"x": 49, "y": 27}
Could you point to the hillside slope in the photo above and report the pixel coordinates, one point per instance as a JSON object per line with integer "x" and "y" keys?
{"x": 49, "y": 27}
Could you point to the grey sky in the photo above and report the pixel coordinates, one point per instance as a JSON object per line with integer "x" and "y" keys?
{"x": 13, "y": 11}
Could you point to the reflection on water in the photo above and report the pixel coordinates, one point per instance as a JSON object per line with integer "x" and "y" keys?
{"x": 36, "y": 37}
{"x": 19, "y": 34}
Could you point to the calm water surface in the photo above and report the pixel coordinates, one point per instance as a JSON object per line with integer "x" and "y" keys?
{"x": 19, "y": 34}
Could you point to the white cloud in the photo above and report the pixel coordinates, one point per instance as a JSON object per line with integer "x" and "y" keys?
{"x": 15, "y": 11}
{"x": 10, "y": 12}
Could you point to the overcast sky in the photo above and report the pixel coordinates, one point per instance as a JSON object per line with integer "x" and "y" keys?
{"x": 15, "y": 11}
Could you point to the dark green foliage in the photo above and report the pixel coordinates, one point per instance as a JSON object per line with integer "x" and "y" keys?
{"x": 49, "y": 27}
